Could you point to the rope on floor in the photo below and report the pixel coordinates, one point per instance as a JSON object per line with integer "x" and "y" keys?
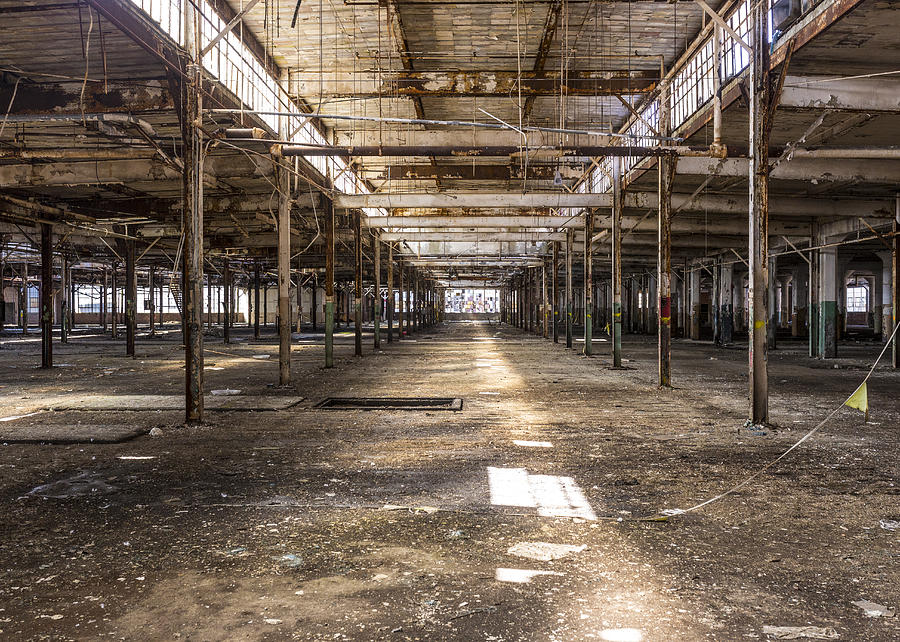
{"x": 669, "y": 512}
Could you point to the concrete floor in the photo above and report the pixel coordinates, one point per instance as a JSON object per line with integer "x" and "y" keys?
{"x": 312, "y": 524}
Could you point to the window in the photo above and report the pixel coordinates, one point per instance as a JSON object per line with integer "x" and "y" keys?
{"x": 858, "y": 298}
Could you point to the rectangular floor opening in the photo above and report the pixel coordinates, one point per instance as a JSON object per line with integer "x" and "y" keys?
{"x": 390, "y": 403}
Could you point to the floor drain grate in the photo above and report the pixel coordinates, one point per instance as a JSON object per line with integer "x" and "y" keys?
{"x": 390, "y": 403}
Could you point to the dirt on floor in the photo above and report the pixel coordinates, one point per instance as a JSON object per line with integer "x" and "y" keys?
{"x": 534, "y": 513}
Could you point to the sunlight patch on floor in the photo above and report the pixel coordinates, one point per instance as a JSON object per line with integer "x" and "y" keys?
{"x": 551, "y": 495}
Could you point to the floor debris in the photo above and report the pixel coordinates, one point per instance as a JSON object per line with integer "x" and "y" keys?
{"x": 872, "y": 609}
{"x": 800, "y": 632}
{"x": 544, "y": 551}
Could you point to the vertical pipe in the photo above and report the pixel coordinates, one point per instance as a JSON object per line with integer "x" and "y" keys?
{"x": 377, "y": 320}
{"x": 329, "y": 283}
{"x": 357, "y": 282}
{"x": 569, "y": 246}
{"x": 588, "y": 282}
{"x": 390, "y": 294}
{"x": 759, "y": 214}
{"x": 46, "y": 295}
{"x": 284, "y": 273}
{"x": 616, "y": 257}
{"x": 130, "y": 299}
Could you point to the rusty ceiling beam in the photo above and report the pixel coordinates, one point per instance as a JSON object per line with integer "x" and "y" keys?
{"x": 465, "y": 172}
{"x": 489, "y": 83}
{"x": 53, "y": 98}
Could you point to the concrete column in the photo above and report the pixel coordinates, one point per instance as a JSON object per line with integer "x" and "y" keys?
{"x": 883, "y": 304}
{"x": 726, "y": 311}
{"x": 588, "y": 283}
{"x": 46, "y": 296}
{"x": 329, "y": 283}
{"x": 798, "y": 301}
{"x": 828, "y": 296}
{"x": 785, "y": 312}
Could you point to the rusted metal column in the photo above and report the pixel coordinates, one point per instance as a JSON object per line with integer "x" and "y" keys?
{"x": 570, "y": 242}
{"x": 64, "y": 301}
{"x": 284, "y": 273}
{"x": 554, "y": 314}
{"x": 357, "y": 282}
{"x": 895, "y": 284}
{"x": 616, "y": 260}
{"x": 152, "y": 280}
{"x": 545, "y": 303}
{"x": 46, "y": 295}
{"x": 417, "y": 302}
{"x": 192, "y": 212}
{"x": 256, "y": 300}
{"x": 400, "y": 291}
{"x": 666, "y": 177}
{"x": 314, "y": 304}
{"x": 103, "y": 301}
{"x": 114, "y": 312}
{"x": 130, "y": 299}
{"x": 759, "y": 214}
{"x": 389, "y": 312}
{"x": 329, "y": 283}
{"x": 410, "y": 275}
{"x": 377, "y": 251}
{"x": 588, "y": 283}
{"x": 226, "y": 277}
